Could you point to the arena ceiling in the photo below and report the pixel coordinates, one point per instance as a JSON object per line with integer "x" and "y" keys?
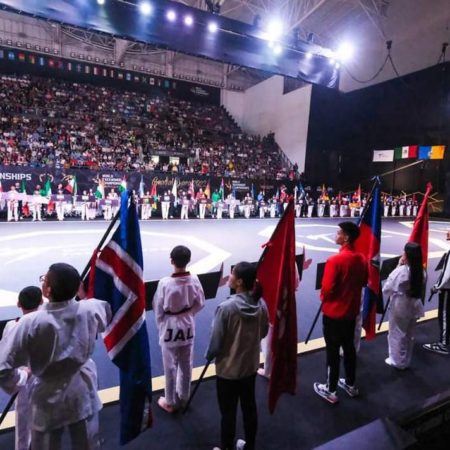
{"x": 417, "y": 28}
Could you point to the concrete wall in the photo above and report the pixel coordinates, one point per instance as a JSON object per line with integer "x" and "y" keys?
{"x": 263, "y": 109}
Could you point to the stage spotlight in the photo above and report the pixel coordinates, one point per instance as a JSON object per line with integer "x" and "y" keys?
{"x": 188, "y": 20}
{"x": 337, "y": 65}
{"x": 332, "y": 61}
{"x": 145, "y": 8}
{"x": 308, "y": 55}
{"x": 275, "y": 29}
{"x": 212, "y": 27}
{"x": 171, "y": 15}
{"x": 345, "y": 52}
{"x": 277, "y": 49}
{"x": 101, "y": 2}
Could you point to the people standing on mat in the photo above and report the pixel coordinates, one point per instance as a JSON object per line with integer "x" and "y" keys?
{"x": 56, "y": 342}
{"x": 404, "y": 286}
{"x": 239, "y": 324}
{"x": 344, "y": 277}
{"x": 30, "y": 298}
{"x": 442, "y": 287}
{"x": 177, "y": 300}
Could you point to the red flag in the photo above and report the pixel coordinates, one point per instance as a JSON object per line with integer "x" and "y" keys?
{"x": 153, "y": 193}
{"x": 277, "y": 275}
{"x": 419, "y": 233}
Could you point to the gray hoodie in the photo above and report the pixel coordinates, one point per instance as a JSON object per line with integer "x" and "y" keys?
{"x": 239, "y": 325}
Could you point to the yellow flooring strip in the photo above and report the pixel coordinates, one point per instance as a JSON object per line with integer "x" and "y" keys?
{"x": 111, "y": 395}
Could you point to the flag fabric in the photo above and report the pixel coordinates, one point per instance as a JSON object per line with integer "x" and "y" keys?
{"x": 117, "y": 277}
{"x": 419, "y": 233}
{"x": 424, "y": 152}
{"x": 368, "y": 244}
{"x": 175, "y": 191}
{"x": 100, "y": 191}
{"x": 153, "y": 192}
{"x": 23, "y": 187}
{"x": 222, "y": 190}
{"x": 437, "y": 152}
{"x": 207, "y": 191}
{"x": 277, "y": 274}
{"x": 141, "y": 187}
{"x": 46, "y": 191}
{"x": 72, "y": 186}
{"x": 383, "y": 156}
{"x": 406, "y": 152}
{"x": 123, "y": 185}
{"x": 191, "y": 189}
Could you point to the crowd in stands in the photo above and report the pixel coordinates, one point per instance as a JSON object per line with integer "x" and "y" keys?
{"x": 54, "y": 123}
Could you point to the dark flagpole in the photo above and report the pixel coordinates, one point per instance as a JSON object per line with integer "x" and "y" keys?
{"x": 366, "y": 206}
{"x": 196, "y": 386}
{"x": 8, "y": 407}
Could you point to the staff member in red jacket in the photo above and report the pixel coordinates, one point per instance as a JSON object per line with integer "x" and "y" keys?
{"x": 344, "y": 277}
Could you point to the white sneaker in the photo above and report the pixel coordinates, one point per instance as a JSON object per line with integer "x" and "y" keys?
{"x": 352, "y": 391}
{"x": 240, "y": 444}
{"x": 323, "y": 391}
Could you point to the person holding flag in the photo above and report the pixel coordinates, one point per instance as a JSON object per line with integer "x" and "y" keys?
{"x": 65, "y": 388}
{"x": 404, "y": 286}
{"x": 344, "y": 277}
{"x": 240, "y": 323}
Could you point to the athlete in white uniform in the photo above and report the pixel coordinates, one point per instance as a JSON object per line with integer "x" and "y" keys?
{"x": 64, "y": 393}
{"x": 30, "y": 298}
{"x": 13, "y": 204}
{"x": 177, "y": 299}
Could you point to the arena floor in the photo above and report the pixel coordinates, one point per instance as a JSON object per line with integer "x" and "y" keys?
{"x": 27, "y": 249}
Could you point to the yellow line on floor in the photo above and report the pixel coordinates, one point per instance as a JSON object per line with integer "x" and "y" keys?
{"x": 111, "y": 395}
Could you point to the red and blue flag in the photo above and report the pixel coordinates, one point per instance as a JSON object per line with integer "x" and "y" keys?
{"x": 368, "y": 244}
{"x": 117, "y": 277}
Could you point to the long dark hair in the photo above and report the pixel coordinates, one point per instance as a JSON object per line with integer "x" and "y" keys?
{"x": 246, "y": 272}
{"x": 413, "y": 254}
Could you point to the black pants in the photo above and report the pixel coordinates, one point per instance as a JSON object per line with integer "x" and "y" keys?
{"x": 339, "y": 333}
{"x": 444, "y": 316}
{"x": 229, "y": 392}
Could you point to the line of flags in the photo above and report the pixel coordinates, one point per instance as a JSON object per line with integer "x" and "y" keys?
{"x": 421, "y": 152}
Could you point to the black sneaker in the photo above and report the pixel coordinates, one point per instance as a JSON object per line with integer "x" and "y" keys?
{"x": 437, "y": 347}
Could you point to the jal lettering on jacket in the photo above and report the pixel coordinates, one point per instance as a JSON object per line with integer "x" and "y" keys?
{"x": 171, "y": 336}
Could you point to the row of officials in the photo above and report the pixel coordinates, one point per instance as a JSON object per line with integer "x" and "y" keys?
{"x": 89, "y": 205}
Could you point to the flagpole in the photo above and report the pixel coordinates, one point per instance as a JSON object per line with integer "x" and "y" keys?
{"x": 314, "y": 323}
{"x": 100, "y": 244}
{"x": 196, "y": 386}
{"x": 384, "y": 313}
{"x": 8, "y": 407}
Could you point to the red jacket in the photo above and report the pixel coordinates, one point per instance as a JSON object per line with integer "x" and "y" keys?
{"x": 344, "y": 277}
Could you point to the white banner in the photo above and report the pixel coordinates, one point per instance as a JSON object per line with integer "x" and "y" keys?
{"x": 383, "y": 155}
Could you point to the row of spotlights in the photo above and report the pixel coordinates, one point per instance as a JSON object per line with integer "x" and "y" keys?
{"x": 146, "y": 9}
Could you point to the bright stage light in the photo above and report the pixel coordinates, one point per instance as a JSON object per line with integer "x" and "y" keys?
{"x": 278, "y": 49}
{"x": 345, "y": 52}
{"x": 188, "y": 20}
{"x": 275, "y": 29}
{"x": 337, "y": 65}
{"x": 308, "y": 55}
{"x": 212, "y": 27}
{"x": 171, "y": 15}
{"x": 101, "y": 2}
{"x": 332, "y": 61}
{"x": 145, "y": 8}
